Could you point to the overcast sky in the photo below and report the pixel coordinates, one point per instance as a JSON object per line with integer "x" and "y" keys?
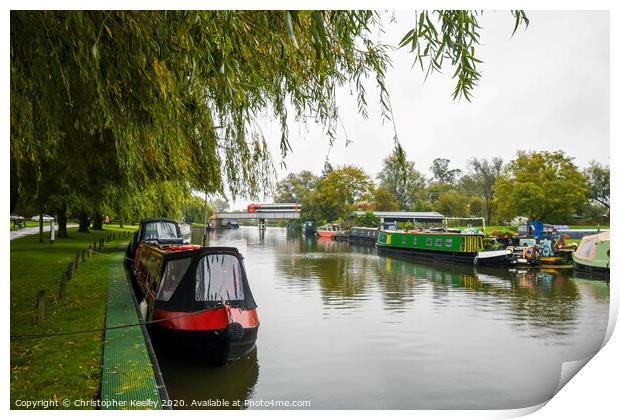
{"x": 546, "y": 88}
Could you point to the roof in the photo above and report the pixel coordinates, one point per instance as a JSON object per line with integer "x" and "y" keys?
{"x": 407, "y": 214}
{"x": 158, "y": 219}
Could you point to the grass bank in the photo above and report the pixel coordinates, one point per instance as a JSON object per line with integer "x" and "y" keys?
{"x": 29, "y": 223}
{"x": 67, "y": 366}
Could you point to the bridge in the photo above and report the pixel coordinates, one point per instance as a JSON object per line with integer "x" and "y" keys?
{"x": 271, "y": 215}
{"x": 261, "y": 216}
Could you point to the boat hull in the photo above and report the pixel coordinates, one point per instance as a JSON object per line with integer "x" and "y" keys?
{"x": 601, "y": 272}
{"x": 464, "y": 257}
{"x": 326, "y": 234}
{"x": 500, "y": 258}
{"x": 214, "y": 346}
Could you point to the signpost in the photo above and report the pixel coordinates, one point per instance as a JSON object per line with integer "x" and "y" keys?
{"x": 52, "y": 231}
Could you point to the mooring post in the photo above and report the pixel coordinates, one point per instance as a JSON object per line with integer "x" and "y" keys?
{"x": 70, "y": 271}
{"x": 76, "y": 264}
{"x": 63, "y": 286}
{"x": 84, "y": 255}
{"x": 40, "y": 306}
{"x": 90, "y": 251}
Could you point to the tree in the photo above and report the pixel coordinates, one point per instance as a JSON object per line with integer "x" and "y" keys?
{"x": 483, "y": 173}
{"x": 598, "y": 183}
{"x": 367, "y": 219}
{"x": 338, "y": 191}
{"x": 452, "y": 203}
{"x": 543, "y": 186}
{"x": 399, "y": 177}
{"x": 385, "y": 200}
{"x": 296, "y": 187}
{"x": 171, "y": 96}
{"x": 442, "y": 173}
{"x": 219, "y": 204}
{"x": 195, "y": 210}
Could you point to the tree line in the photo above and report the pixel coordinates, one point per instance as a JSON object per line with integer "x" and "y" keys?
{"x": 540, "y": 185}
{"x": 125, "y": 113}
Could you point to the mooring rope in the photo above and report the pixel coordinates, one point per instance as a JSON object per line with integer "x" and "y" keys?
{"x": 84, "y": 331}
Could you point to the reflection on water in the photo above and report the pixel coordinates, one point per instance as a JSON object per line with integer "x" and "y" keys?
{"x": 343, "y": 327}
{"x": 200, "y": 385}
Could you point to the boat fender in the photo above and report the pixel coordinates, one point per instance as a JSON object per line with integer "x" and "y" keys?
{"x": 234, "y": 331}
{"x": 143, "y": 309}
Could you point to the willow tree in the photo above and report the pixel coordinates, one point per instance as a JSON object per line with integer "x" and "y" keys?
{"x": 139, "y": 97}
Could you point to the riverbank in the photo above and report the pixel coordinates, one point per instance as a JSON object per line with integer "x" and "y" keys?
{"x": 55, "y": 368}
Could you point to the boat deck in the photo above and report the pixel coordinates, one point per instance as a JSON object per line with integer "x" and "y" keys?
{"x": 130, "y": 377}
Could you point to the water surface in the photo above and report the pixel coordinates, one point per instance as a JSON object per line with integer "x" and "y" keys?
{"x": 343, "y": 327}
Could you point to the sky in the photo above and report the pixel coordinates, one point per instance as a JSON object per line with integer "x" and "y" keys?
{"x": 545, "y": 88}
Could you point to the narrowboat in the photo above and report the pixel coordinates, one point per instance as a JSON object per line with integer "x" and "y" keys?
{"x": 308, "y": 228}
{"x": 592, "y": 255}
{"x": 196, "y": 300}
{"x": 443, "y": 244}
{"x": 328, "y": 231}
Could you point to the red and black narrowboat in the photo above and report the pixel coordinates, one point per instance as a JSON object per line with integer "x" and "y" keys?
{"x": 196, "y": 299}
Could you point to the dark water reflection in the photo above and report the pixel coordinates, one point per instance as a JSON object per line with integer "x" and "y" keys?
{"x": 344, "y": 327}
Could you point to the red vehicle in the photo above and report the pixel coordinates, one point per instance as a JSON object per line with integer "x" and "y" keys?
{"x": 197, "y": 299}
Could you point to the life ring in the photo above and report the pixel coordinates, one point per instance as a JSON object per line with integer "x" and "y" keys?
{"x": 528, "y": 252}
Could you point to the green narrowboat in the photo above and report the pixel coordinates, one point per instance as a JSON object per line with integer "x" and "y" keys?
{"x": 449, "y": 246}
{"x": 592, "y": 255}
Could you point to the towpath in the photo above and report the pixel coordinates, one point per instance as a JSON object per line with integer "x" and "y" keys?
{"x": 20, "y": 233}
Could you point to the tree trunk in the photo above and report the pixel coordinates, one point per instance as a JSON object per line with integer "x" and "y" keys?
{"x": 84, "y": 222}
{"x": 98, "y": 222}
{"x": 40, "y": 228}
{"x": 62, "y": 223}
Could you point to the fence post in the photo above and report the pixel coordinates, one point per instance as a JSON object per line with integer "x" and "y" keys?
{"x": 40, "y": 306}
{"x": 94, "y": 244}
{"x": 76, "y": 264}
{"x": 70, "y": 271}
{"x": 63, "y": 285}
{"x": 90, "y": 251}
{"x": 84, "y": 255}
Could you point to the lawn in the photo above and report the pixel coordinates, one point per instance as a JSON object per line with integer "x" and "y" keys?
{"x": 65, "y": 366}
{"x": 29, "y": 223}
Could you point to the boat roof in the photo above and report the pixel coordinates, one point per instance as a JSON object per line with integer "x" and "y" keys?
{"x": 158, "y": 219}
{"x": 192, "y": 249}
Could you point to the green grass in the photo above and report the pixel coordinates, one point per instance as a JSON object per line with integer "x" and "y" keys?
{"x": 29, "y": 223}
{"x": 66, "y": 366}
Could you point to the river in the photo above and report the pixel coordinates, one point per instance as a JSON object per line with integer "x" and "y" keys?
{"x": 342, "y": 327}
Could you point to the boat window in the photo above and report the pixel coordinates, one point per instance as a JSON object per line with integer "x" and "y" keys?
{"x": 175, "y": 270}
{"x": 218, "y": 278}
{"x": 586, "y": 248}
{"x": 160, "y": 230}
{"x": 438, "y": 242}
{"x": 415, "y": 240}
{"x": 449, "y": 243}
{"x": 429, "y": 241}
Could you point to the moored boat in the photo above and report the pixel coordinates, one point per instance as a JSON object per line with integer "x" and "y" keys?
{"x": 328, "y": 231}
{"x": 592, "y": 255}
{"x": 441, "y": 245}
{"x": 308, "y": 227}
{"x": 196, "y": 299}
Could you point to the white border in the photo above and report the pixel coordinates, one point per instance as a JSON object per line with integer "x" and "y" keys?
{"x": 593, "y": 393}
